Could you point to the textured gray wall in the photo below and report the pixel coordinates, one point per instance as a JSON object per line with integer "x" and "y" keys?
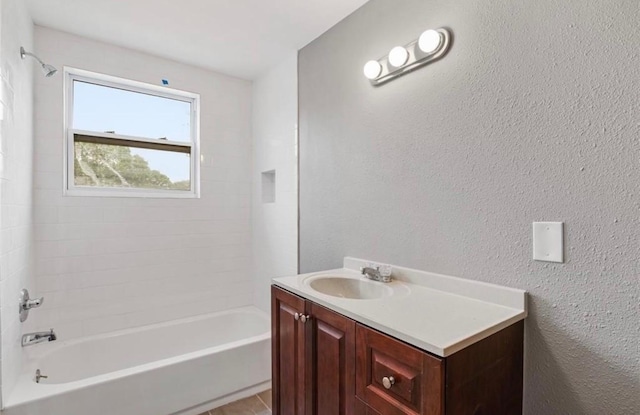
{"x": 533, "y": 115}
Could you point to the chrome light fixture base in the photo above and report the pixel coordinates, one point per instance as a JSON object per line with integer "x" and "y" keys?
{"x": 417, "y": 58}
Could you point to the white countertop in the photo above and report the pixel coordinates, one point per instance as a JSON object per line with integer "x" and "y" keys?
{"x": 437, "y": 313}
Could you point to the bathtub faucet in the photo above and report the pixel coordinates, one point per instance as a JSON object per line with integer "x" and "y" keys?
{"x": 38, "y": 337}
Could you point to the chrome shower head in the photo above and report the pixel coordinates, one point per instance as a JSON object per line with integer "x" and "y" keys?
{"x": 48, "y": 70}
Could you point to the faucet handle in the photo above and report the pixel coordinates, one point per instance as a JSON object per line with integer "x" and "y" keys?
{"x": 26, "y": 303}
{"x": 384, "y": 270}
{"x": 33, "y": 303}
{"x": 369, "y": 265}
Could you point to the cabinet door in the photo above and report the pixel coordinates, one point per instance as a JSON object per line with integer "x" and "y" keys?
{"x": 288, "y": 344}
{"x": 333, "y": 362}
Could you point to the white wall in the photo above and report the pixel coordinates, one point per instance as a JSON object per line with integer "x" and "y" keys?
{"x": 109, "y": 263}
{"x": 16, "y": 162}
{"x": 534, "y": 114}
{"x": 275, "y": 225}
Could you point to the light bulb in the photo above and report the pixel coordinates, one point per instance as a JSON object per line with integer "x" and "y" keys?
{"x": 398, "y": 56}
{"x": 372, "y": 69}
{"x": 429, "y": 41}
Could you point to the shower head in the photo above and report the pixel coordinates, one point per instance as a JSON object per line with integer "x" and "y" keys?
{"x": 48, "y": 70}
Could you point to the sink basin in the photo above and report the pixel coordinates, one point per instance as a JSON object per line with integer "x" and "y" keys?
{"x": 350, "y": 288}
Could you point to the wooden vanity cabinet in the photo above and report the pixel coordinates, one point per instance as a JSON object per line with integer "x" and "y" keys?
{"x": 313, "y": 351}
{"x": 327, "y": 364}
{"x": 484, "y": 378}
{"x": 289, "y": 353}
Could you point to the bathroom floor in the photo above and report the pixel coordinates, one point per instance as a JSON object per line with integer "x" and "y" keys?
{"x": 259, "y": 404}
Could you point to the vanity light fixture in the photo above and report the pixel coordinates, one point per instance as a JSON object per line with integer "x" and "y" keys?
{"x": 429, "y": 41}
{"x": 398, "y": 56}
{"x": 372, "y": 69}
{"x": 430, "y": 46}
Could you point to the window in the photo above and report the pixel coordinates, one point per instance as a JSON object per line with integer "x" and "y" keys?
{"x": 127, "y": 138}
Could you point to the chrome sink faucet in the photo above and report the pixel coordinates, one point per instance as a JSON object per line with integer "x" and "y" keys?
{"x": 38, "y": 337}
{"x": 380, "y": 273}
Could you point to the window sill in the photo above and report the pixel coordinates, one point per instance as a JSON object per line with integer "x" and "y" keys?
{"x": 133, "y": 193}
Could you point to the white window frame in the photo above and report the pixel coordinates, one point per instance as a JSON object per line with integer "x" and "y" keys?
{"x": 70, "y": 189}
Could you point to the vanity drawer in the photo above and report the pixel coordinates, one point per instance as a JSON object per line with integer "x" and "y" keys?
{"x": 395, "y": 378}
{"x": 363, "y": 409}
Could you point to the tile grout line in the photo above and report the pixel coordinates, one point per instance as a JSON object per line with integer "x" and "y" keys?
{"x": 210, "y": 412}
{"x": 263, "y": 402}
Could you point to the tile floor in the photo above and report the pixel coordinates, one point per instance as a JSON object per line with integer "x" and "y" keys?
{"x": 259, "y": 404}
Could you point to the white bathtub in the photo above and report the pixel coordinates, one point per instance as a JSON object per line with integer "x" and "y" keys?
{"x": 181, "y": 367}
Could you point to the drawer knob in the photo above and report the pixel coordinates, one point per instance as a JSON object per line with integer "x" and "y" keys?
{"x": 388, "y": 382}
{"x": 304, "y": 318}
{"x": 296, "y": 316}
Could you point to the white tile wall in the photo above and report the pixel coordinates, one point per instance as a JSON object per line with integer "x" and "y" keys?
{"x": 16, "y": 162}
{"x": 110, "y": 263}
{"x": 275, "y": 225}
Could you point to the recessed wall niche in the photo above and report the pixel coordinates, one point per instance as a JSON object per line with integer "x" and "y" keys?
{"x": 269, "y": 186}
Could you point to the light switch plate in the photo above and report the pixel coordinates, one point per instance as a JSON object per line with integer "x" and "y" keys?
{"x": 548, "y": 241}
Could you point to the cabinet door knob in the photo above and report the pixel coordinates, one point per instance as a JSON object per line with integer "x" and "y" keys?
{"x": 296, "y": 316}
{"x": 304, "y": 318}
{"x": 388, "y": 382}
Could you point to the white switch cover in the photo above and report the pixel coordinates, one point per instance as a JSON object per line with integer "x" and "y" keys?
{"x": 548, "y": 241}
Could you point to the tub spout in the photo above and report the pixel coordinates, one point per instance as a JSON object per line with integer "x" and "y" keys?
{"x": 38, "y": 337}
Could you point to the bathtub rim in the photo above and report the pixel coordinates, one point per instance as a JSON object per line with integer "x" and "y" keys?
{"x": 27, "y": 390}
